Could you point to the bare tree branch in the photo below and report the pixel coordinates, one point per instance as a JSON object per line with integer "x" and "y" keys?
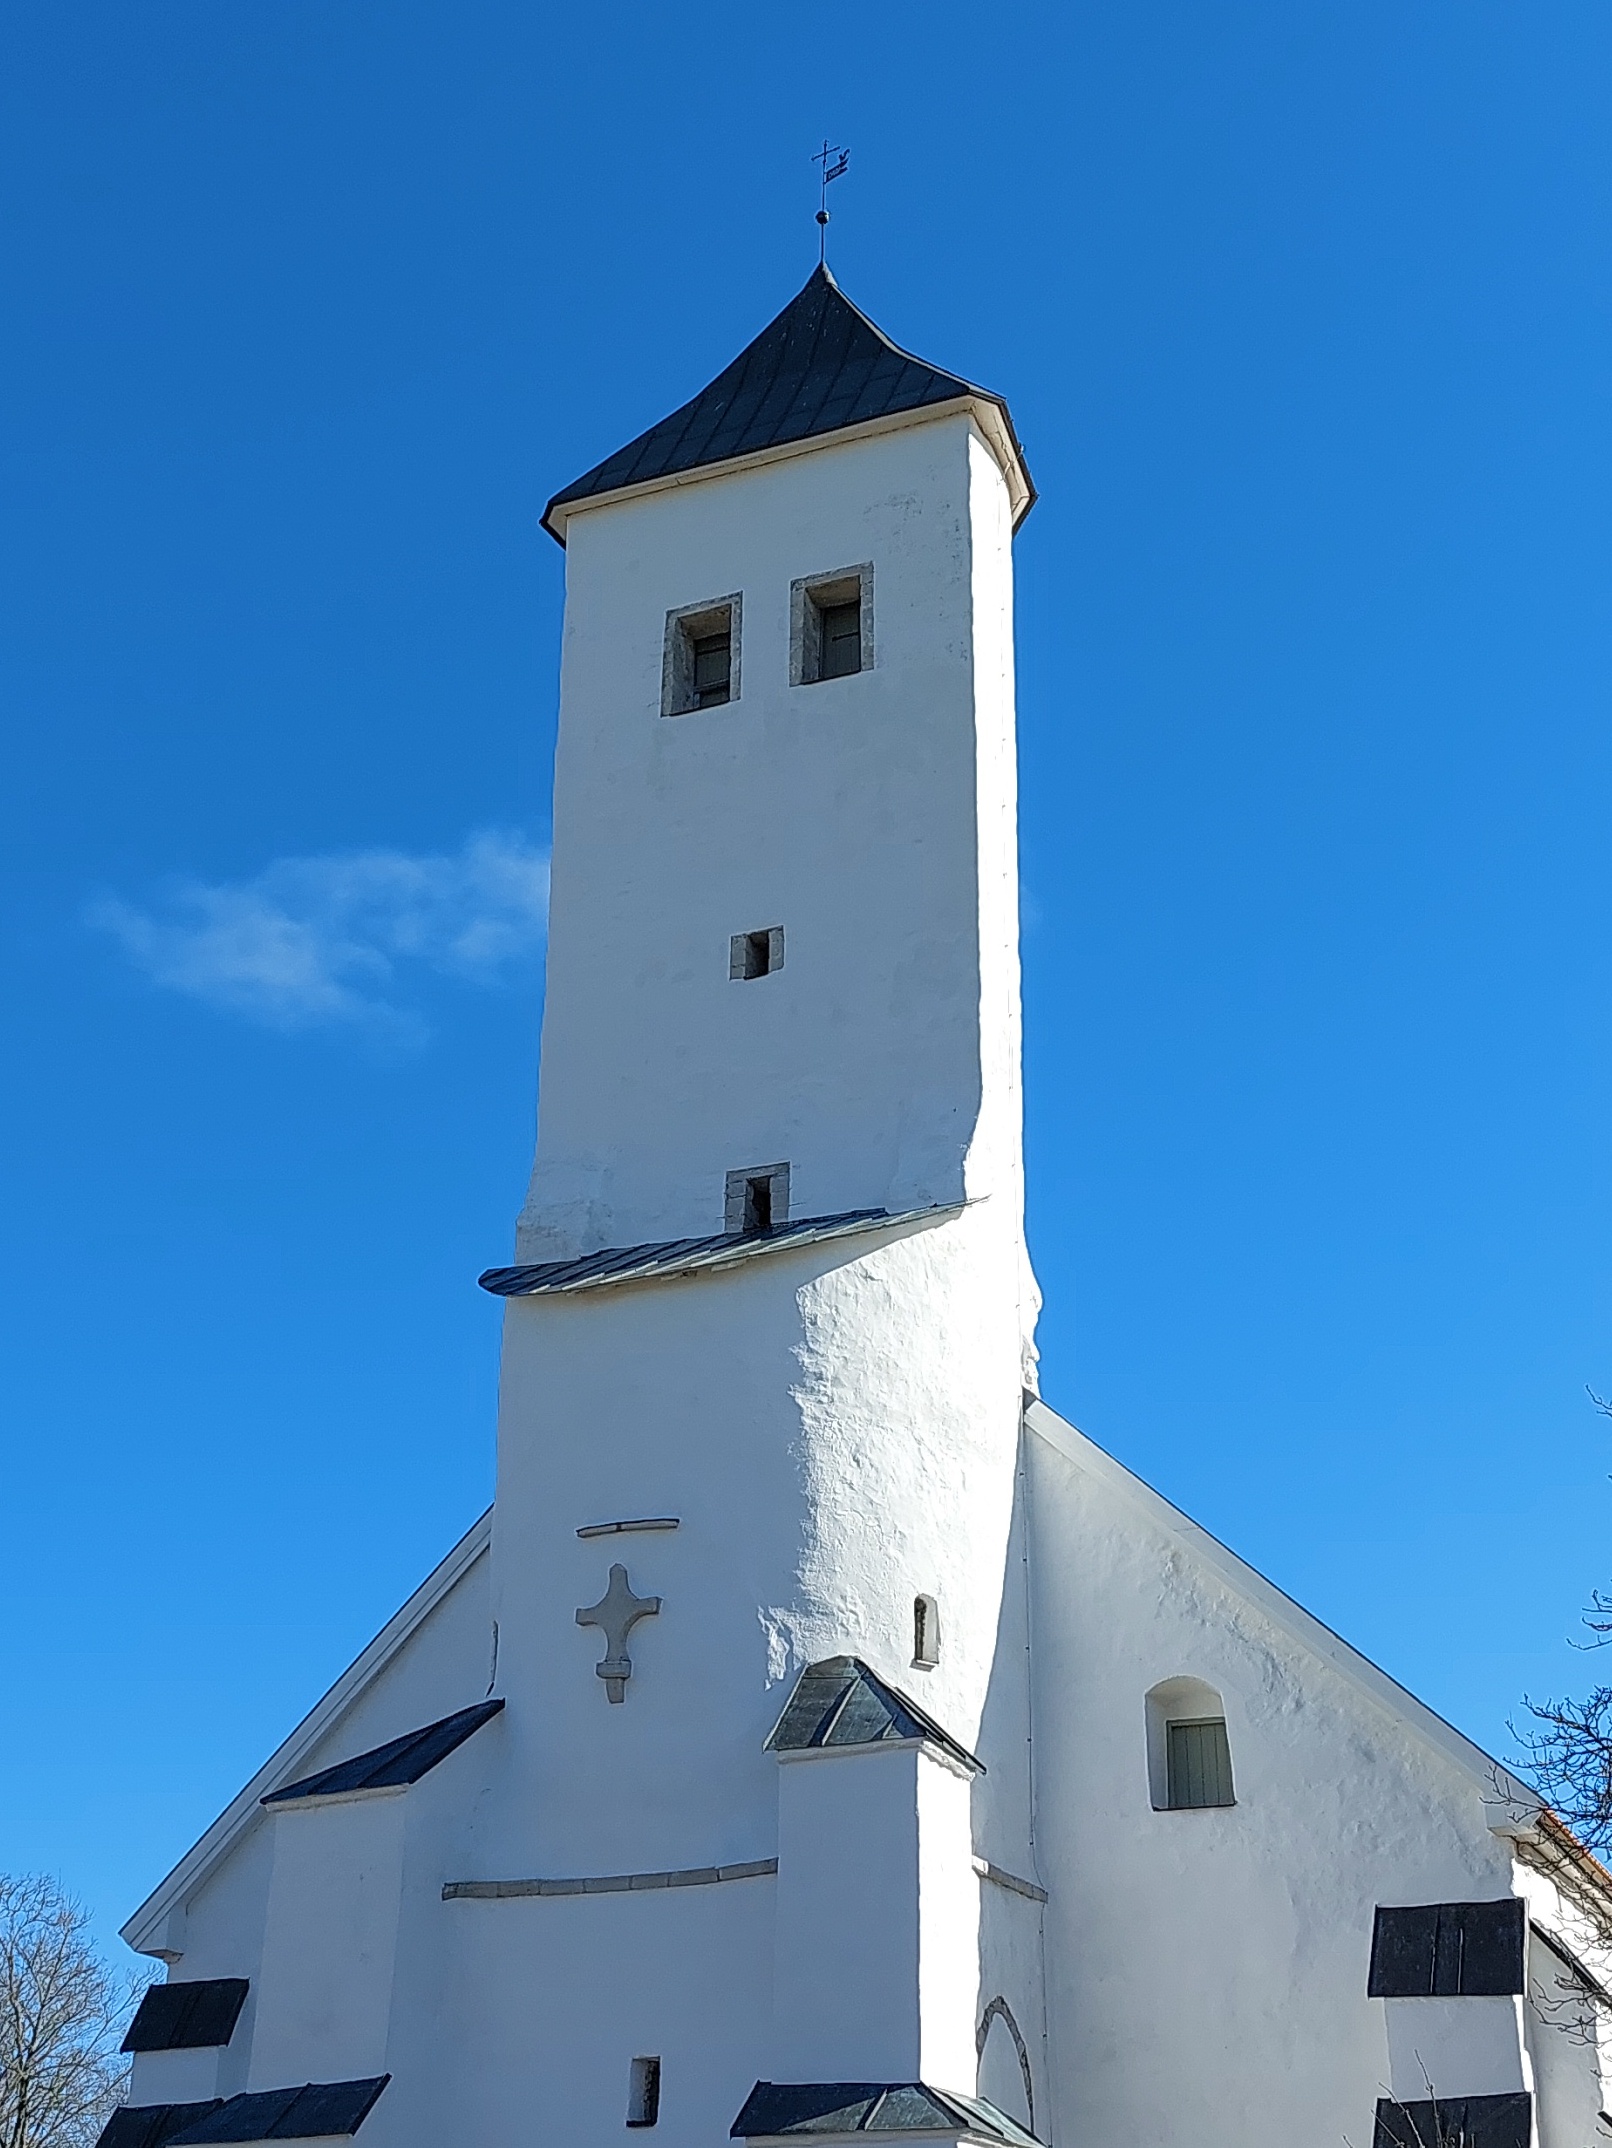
{"x": 62, "y": 2012}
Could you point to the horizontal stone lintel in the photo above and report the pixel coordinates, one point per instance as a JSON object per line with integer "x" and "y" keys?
{"x": 499, "y": 1890}
{"x": 1010, "y": 1880}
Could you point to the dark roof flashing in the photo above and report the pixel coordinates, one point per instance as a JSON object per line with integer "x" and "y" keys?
{"x": 392, "y": 1766}
{"x": 665, "y": 1258}
{"x": 819, "y": 368}
{"x": 151, "y": 2125}
{"x": 841, "y": 1704}
{"x": 318, "y": 2110}
{"x": 190, "y": 2016}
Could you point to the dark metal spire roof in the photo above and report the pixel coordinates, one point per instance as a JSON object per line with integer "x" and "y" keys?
{"x": 819, "y": 367}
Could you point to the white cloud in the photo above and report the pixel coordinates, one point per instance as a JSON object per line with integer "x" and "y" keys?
{"x": 332, "y": 939}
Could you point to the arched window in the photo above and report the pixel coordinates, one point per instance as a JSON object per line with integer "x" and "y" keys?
{"x": 1188, "y": 1754}
{"x": 925, "y": 1633}
{"x": 1004, "y": 2076}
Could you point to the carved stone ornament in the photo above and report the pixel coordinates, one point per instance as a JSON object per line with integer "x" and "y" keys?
{"x": 616, "y": 1614}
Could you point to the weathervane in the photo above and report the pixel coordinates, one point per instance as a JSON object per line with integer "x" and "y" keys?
{"x": 831, "y": 161}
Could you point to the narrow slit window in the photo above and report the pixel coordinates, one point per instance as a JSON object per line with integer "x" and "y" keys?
{"x": 643, "y": 2092}
{"x": 925, "y": 1633}
{"x": 756, "y": 954}
{"x": 1199, "y": 1764}
{"x": 757, "y": 1200}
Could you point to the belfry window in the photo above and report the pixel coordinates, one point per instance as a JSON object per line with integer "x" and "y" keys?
{"x": 700, "y": 664}
{"x": 831, "y": 626}
{"x": 757, "y": 1200}
{"x": 756, "y": 954}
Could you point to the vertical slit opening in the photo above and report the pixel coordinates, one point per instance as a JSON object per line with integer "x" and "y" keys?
{"x": 643, "y": 2092}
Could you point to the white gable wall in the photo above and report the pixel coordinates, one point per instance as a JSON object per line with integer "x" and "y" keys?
{"x": 1214, "y": 1962}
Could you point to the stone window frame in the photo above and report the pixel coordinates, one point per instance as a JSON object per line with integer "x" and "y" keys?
{"x": 684, "y": 623}
{"x": 739, "y": 954}
{"x": 736, "y": 1190}
{"x": 805, "y": 596}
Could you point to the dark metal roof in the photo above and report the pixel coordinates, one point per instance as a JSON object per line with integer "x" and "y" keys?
{"x": 403, "y": 1760}
{"x": 151, "y": 2125}
{"x": 686, "y": 1256}
{"x": 786, "y": 2109}
{"x": 819, "y": 367}
{"x": 187, "y": 2017}
{"x": 841, "y": 1702}
{"x": 288, "y": 2114}
{"x": 1504, "y": 2121}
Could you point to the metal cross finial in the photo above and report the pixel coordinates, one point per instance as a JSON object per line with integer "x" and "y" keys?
{"x": 831, "y": 162}
{"x": 616, "y": 1614}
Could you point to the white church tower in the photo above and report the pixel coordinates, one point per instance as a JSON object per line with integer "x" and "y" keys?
{"x": 776, "y": 1291}
{"x": 820, "y": 1738}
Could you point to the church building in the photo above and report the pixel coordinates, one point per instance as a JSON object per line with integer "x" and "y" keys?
{"x": 820, "y": 1738}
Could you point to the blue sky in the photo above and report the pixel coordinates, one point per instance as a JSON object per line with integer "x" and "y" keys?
{"x": 1303, "y": 313}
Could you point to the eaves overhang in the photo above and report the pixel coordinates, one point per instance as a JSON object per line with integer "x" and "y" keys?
{"x": 989, "y": 413}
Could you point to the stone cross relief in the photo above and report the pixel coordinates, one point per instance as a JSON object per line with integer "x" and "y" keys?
{"x": 616, "y": 1614}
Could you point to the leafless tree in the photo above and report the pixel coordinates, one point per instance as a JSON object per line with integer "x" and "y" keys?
{"x": 62, "y": 2012}
{"x": 1569, "y": 1743}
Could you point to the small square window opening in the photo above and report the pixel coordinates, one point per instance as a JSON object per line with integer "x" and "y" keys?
{"x": 831, "y": 626}
{"x": 756, "y": 954}
{"x": 700, "y": 666}
{"x": 643, "y": 2092}
{"x": 757, "y": 1200}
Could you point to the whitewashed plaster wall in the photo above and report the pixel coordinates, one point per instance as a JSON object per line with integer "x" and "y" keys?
{"x": 1010, "y": 1929}
{"x": 442, "y": 1666}
{"x": 824, "y": 1470}
{"x": 542, "y": 2003}
{"x": 1565, "y": 2036}
{"x": 325, "y": 1972}
{"x": 877, "y": 1941}
{"x": 1568, "y": 2033}
{"x": 1214, "y": 1963}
